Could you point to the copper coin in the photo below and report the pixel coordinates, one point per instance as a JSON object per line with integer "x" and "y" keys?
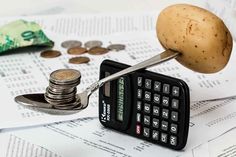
{"x": 50, "y": 54}
{"x": 65, "y": 75}
{"x": 98, "y": 51}
{"x": 76, "y": 50}
{"x": 79, "y": 60}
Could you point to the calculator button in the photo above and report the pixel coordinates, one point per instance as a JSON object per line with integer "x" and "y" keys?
{"x": 157, "y": 86}
{"x": 174, "y": 116}
{"x": 156, "y": 111}
{"x": 165, "y": 101}
{"x": 138, "y": 117}
{"x": 148, "y": 83}
{"x": 139, "y": 105}
{"x": 173, "y": 128}
{"x": 164, "y": 137}
{"x": 146, "y": 132}
{"x": 147, "y": 108}
{"x": 156, "y": 98}
{"x": 166, "y": 88}
{"x": 138, "y": 129}
{"x": 146, "y": 120}
{"x": 175, "y": 91}
{"x": 175, "y": 103}
{"x": 165, "y": 113}
{"x": 173, "y": 140}
{"x": 164, "y": 125}
{"x": 155, "y": 135}
{"x": 140, "y": 81}
{"x": 155, "y": 123}
{"x": 147, "y": 96}
{"x": 139, "y": 93}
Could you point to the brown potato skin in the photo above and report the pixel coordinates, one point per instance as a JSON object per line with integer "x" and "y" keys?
{"x": 201, "y": 37}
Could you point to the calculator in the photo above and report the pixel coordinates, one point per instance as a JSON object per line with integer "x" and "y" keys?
{"x": 146, "y": 105}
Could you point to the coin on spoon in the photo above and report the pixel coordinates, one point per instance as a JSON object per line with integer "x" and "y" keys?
{"x": 50, "y": 53}
{"x": 93, "y": 43}
{"x": 63, "y": 76}
{"x": 98, "y": 51}
{"x": 79, "y": 60}
{"x": 71, "y": 43}
{"x": 77, "y": 50}
{"x": 116, "y": 47}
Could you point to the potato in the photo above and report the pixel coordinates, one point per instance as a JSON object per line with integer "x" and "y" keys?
{"x": 201, "y": 37}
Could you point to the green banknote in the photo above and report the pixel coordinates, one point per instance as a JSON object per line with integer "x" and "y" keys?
{"x": 20, "y": 33}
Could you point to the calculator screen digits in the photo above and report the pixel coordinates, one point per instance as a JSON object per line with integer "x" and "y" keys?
{"x": 120, "y": 98}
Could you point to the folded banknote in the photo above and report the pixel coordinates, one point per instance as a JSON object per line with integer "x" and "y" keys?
{"x": 21, "y": 33}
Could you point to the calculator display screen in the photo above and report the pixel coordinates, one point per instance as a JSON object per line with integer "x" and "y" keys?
{"x": 120, "y": 98}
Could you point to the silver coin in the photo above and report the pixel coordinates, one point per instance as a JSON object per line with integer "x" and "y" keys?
{"x": 64, "y": 76}
{"x": 58, "y": 101}
{"x": 93, "y": 43}
{"x": 60, "y": 87}
{"x": 60, "y": 91}
{"x": 116, "y": 47}
{"x": 60, "y": 96}
{"x": 71, "y": 43}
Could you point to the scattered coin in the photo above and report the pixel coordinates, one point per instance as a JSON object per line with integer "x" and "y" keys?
{"x": 71, "y": 43}
{"x": 79, "y": 60}
{"x": 92, "y": 44}
{"x": 116, "y": 47}
{"x": 76, "y": 50}
{"x": 50, "y": 53}
{"x": 98, "y": 51}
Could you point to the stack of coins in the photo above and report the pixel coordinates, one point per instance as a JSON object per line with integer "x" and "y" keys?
{"x": 61, "y": 92}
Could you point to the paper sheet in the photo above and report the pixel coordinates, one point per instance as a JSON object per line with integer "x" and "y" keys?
{"x": 222, "y": 146}
{"x": 88, "y": 138}
{"x": 87, "y": 25}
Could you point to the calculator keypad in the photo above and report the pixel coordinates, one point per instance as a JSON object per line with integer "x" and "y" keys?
{"x": 148, "y": 105}
{"x": 160, "y": 113}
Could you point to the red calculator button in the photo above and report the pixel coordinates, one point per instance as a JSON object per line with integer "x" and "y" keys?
{"x": 138, "y": 129}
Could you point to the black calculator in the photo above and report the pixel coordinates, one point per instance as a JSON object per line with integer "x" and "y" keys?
{"x": 146, "y": 105}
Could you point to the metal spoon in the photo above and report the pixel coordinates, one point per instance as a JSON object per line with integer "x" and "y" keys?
{"x": 37, "y": 101}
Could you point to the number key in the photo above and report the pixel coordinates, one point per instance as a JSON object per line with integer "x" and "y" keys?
{"x": 147, "y": 108}
{"x": 165, "y": 101}
{"x": 156, "y": 111}
{"x": 146, "y": 120}
{"x": 147, "y": 96}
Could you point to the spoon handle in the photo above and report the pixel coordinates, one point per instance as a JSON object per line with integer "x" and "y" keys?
{"x": 162, "y": 57}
